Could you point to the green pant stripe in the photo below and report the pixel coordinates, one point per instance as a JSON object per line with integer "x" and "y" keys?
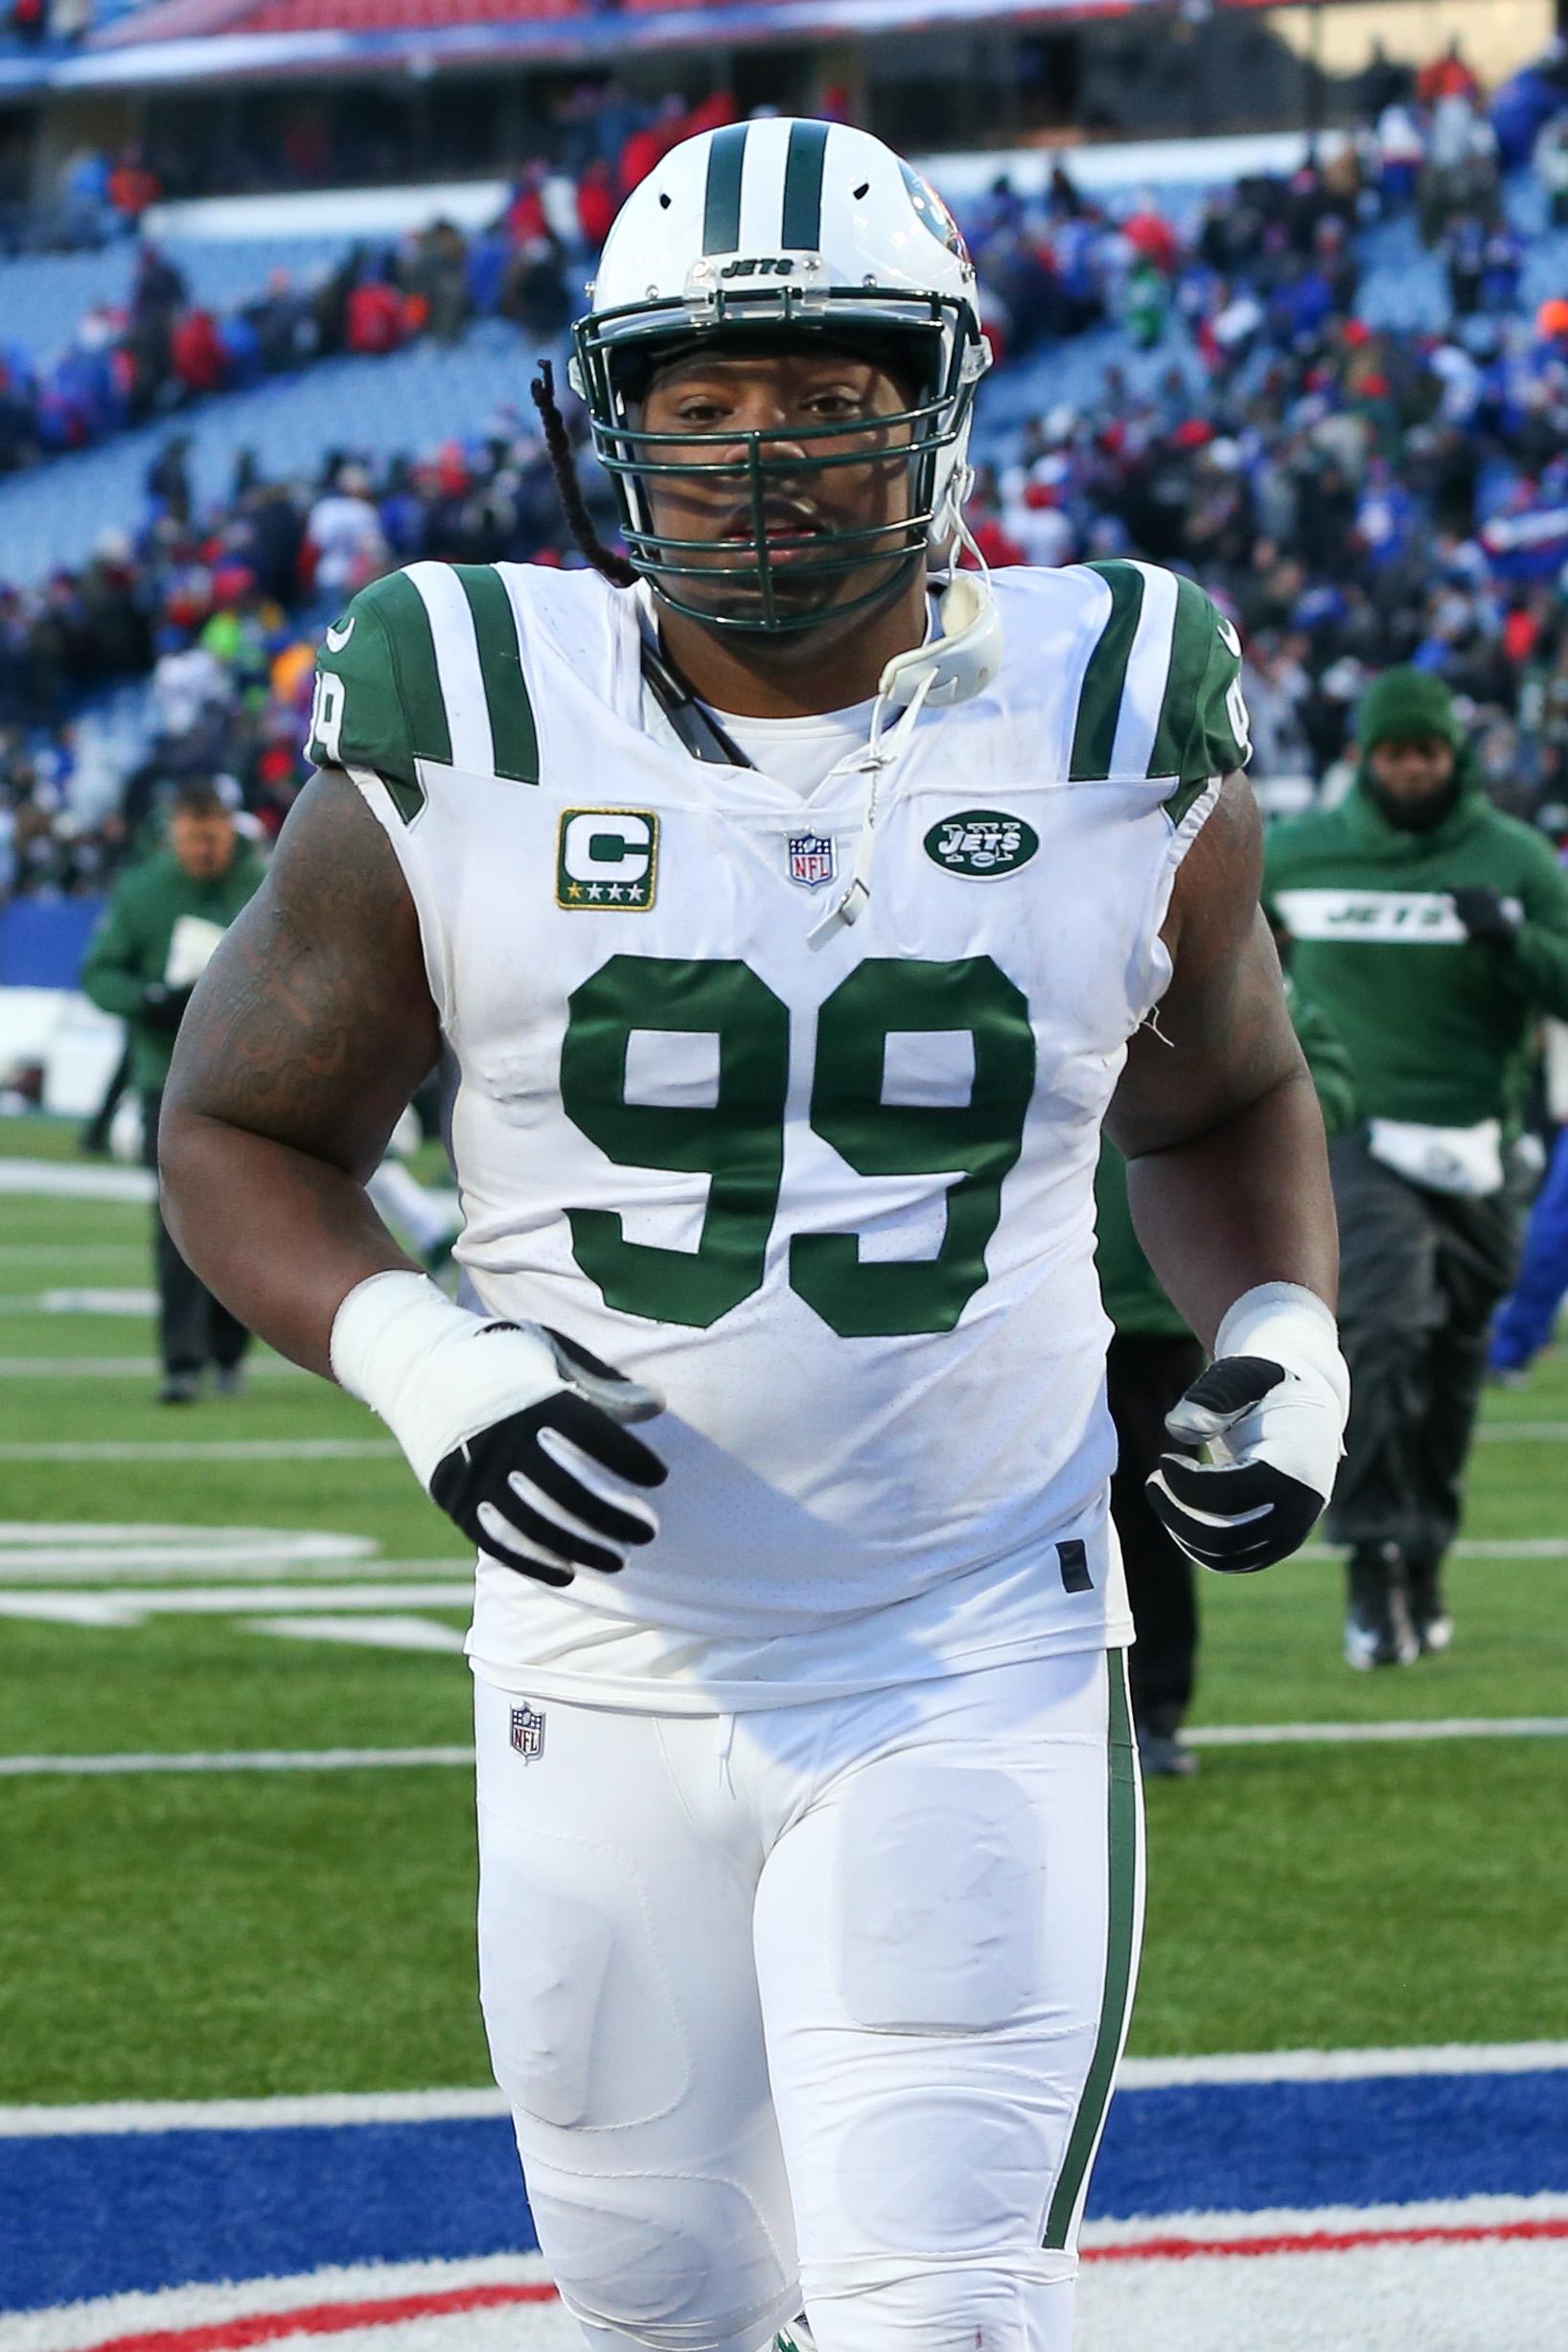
{"x": 511, "y": 727}
{"x": 721, "y": 197}
{"x": 1122, "y": 1930}
{"x": 1099, "y": 701}
{"x": 1190, "y": 640}
{"x": 804, "y": 187}
{"x": 400, "y": 608}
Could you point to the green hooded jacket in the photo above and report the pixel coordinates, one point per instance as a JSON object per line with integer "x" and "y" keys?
{"x": 1440, "y": 1029}
{"x": 129, "y": 950}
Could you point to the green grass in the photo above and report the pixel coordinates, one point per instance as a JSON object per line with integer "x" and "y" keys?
{"x": 226, "y": 1935}
{"x": 196, "y": 1939}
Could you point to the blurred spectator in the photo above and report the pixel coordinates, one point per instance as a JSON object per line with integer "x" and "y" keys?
{"x": 1551, "y": 167}
{"x": 1433, "y": 932}
{"x": 343, "y": 537}
{"x": 133, "y": 186}
{"x": 163, "y": 922}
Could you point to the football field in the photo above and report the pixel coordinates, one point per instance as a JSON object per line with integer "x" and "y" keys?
{"x": 237, "y": 1893}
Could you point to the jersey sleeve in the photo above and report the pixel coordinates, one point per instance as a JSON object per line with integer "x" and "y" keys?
{"x": 1162, "y": 692}
{"x": 425, "y": 668}
{"x": 378, "y": 702}
{"x": 1205, "y": 722}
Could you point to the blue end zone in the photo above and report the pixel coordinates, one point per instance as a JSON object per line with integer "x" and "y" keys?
{"x": 101, "y": 2214}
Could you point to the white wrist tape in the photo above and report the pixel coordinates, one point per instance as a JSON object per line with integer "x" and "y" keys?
{"x": 402, "y": 1347}
{"x": 1293, "y": 1326}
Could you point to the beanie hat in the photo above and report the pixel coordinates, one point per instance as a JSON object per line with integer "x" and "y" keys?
{"x": 1404, "y": 704}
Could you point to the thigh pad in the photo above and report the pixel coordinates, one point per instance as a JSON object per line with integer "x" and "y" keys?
{"x": 939, "y": 1887}
{"x": 585, "y": 2032}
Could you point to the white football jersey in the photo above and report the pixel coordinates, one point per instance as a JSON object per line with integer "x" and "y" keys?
{"x": 834, "y": 1200}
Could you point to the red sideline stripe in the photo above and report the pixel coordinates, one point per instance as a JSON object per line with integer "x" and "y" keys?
{"x": 336, "y": 2319}
{"x": 323, "y": 2319}
{"x": 1323, "y": 2241}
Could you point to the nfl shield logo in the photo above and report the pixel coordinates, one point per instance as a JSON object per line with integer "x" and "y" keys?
{"x": 528, "y": 1732}
{"x": 811, "y": 859}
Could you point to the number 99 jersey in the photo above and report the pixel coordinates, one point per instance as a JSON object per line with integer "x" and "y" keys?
{"x": 833, "y": 1198}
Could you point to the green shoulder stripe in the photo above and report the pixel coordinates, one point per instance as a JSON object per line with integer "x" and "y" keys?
{"x": 377, "y": 694}
{"x": 1190, "y": 639}
{"x": 1099, "y": 699}
{"x": 512, "y": 728}
{"x": 1204, "y": 729}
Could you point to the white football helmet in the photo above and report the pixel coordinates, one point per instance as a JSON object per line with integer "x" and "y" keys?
{"x": 817, "y": 229}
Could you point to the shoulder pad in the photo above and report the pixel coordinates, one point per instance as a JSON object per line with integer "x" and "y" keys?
{"x": 425, "y": 666}
{"x": 1162, "y": 692}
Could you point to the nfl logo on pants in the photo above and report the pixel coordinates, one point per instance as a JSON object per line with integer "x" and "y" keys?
{"x": 528, "y": 1732}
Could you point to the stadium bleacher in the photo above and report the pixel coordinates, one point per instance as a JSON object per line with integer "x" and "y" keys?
{"x": 412, "y": 399}
{"x": 44, "y": 296}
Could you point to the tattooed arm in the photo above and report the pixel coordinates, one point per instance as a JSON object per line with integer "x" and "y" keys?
{"x": 1226, "y": 1172}
{"x": 308, "y": 1035}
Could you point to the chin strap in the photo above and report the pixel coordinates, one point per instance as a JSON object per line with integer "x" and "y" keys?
{"x": 952, "y": 668}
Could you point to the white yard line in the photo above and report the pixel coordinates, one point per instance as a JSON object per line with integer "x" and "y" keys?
{"x": 112, "y": 1572}
{"x": 63, "y": 1180}
{"x": 1344, "y": 2066}
{"x": 377, "y": 1758}
{"x": 1354, "y": 1735}
{"x": 132, "y": 1605}
{"x": 237, "y": 1759}
{"x": 1500, "y": 1547}
{"x": 108, "y": 1551}
{"x": 77, "y": 1300}
{"x": 380, "y": 2107}
{"x": 379, "y": 1630}
{"x": 125, "y": 1368}
{"x": 209, "y": 1449}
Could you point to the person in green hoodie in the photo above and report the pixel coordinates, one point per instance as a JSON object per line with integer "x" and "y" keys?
{"x": 164, "y": 919}
{"x": 1433, "y": 932}
{"x": 1152, "y": 1360}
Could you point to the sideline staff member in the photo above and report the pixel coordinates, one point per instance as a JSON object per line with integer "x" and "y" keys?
{"x": 165, "y": 917}
{"x": 1433, "y": 930}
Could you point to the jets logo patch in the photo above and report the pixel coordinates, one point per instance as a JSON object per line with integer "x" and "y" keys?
{"x": 982, "y": 844}
{"x": 606, "y": 859}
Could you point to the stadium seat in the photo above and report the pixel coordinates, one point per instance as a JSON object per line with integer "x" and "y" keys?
{"x": 394, "y": 16}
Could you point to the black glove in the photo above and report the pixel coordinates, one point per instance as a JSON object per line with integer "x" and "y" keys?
{"x": 163, "y": 1007}
{"x": 1245, "y": 1510}
{"x": 1485, "y": 917}
{"x": 481, "y": 1484}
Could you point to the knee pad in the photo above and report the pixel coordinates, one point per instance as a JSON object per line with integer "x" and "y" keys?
{"x": 1020, "y": 2303}
{"x": 937, "y": 1899}
{"x": 667, "y": 2264}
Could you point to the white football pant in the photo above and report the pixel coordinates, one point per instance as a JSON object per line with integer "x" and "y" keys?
{"x": 815, "y": 2006}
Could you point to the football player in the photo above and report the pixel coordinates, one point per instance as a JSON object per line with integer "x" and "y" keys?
{"x": 789, "y": 907}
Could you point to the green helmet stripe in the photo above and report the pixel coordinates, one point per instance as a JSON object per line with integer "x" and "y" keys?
{"x": 512, "y": 728}
{"x": 1099, "y": 701}
{"x": 721, "y": 205}
{"x": 804, "y": 187}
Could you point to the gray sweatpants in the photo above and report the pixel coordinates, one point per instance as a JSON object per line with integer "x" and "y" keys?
{"x": 1422, "y": 1273}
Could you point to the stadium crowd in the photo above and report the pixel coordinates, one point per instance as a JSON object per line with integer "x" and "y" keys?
{"x": 1050, "y": 269}
{"x": 1353, "y": 496}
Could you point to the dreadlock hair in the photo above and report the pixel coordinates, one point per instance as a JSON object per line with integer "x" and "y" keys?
{"x": 569, "y": 490}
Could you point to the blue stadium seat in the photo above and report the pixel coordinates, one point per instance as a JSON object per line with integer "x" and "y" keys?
{"x": 411, "y": 400}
